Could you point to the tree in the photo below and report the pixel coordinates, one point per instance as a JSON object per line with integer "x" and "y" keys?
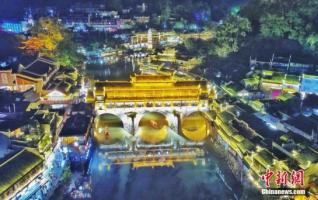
{"x": 294, "y": 20}
{"x": 51, "y": 39}
{"x": 166, "y": 11}
{"x": 273, "y": 26}
{"x": 46, "y": 35}
{"x": 193, "y": 47}
{"x": 66, "y": 54}
{"x": 312, "y": 41}
{"x": 298, "y": 29}
{"x": 230, "y": 35}
{"x": 33, "y": 44}
{"x": 67, "y": 174}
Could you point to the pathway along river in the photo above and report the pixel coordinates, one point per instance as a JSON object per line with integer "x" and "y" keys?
{"x": 185, "y": 181}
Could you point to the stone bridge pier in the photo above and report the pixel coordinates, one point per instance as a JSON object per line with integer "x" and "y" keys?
{"x": 131, "y": 125}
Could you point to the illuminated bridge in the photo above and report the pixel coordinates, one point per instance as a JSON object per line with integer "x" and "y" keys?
{"x": 151, "y": 120}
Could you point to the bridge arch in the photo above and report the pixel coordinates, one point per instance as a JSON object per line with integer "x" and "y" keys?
{"x": 109, "y": 129}
{"x": 126, "y": 120}
{"x": 195, "y": 126}
{"x": 156, "y": 117}
{"x": 152, "y": 127}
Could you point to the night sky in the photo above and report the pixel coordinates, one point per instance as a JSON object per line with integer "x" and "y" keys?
{"x": 9, "y": 8}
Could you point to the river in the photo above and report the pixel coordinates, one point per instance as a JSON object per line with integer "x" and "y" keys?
{"x": 118, "y": 71}
{"x": 185, "y": 181}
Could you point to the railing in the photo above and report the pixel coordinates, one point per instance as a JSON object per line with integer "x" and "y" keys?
{"x": 61, "y": 101}
{"x": 49, "y": 102}
{"x": 154, "y": 158}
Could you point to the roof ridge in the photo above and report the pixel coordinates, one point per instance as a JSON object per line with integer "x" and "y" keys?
{"x": 11, "y": 158}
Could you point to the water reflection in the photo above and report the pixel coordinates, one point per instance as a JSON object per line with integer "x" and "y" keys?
{"x": 185, "y": 181}
{"x": 118, "y": 71}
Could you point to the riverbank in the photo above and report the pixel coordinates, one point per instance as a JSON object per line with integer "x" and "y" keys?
{"x": 243, "y": 190}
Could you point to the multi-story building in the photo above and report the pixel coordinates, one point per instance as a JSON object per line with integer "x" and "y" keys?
{"x": 150, "y": 90}
{"x": 252, "y": 147}
{"x": 25, "y": 124}
{"x": 76, "y": 133}
{"x": 33, "y": 75}
{"x": 36, "y": 74}
{"x": 63, "y": 87}
{"x": 284, "y": 74}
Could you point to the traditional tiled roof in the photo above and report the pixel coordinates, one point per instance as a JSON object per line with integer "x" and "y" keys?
{"x": 76, "y": 125}
{"x": 17, "y": 166}
{"x": 39, "y": 67}
{"x": 305, "y": 124}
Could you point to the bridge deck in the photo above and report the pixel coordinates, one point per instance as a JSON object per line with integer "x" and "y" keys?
{"x": 153, "y": 158}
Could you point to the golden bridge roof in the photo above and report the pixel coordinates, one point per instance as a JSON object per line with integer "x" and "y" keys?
{"x": 152, "y": 87}
{"x": 151, "y": 78}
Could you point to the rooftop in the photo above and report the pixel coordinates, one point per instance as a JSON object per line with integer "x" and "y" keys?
{"x": 256, "y": 124}
{"x": 311, "y": 101}
{"x": 17, "y": 166}
{"x": 290, "y": 106}
{"x": 44, "y": 118}
{"x": 265, "y": 158}
{"x": 309, "y": 84}
{"x": 39, "y": 67}
{"x": 150, "y": 78}
{"x": 305, "y": 124}
{"x": 13, "y": 108}
{"x": 76, "y": 125}
{"x": 87, "y": 108}
{"x": 14, "y": 121}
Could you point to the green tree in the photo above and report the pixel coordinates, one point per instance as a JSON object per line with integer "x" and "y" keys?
{"x": 312, "y": 41}
{"x": 273, "y": 26}
{"x": 67, "y": 174}
{"x": 66, "y": 54}
{"x": 294, "y": 20}
{"x": 230, "y": 35}
{"x": 298, "y": 29}
{"x": 165, "y": 10}
{"x": 193, "y": 47}
{"x": 50, "y": 38}
{"x": 45, "y": 36}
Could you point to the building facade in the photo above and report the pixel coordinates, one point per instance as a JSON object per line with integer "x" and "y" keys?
{"x": 150, "y": 91}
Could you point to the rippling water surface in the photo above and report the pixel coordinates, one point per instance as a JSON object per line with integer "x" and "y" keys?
{"x": 185, "y": 182}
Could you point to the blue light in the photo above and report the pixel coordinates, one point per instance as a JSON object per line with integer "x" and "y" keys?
{"x": 165, "y": 25}
{"x": 3, "y": 64}
{"x": 14, "y": 27}
{"x": 309, "y": 84}
{"x": 65, "y": 150}
{"x": 201, "y": 15}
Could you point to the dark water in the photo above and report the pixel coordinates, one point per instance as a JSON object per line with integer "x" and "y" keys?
{"x": 185, "y": 182}
{"x": 117, "y": 71}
